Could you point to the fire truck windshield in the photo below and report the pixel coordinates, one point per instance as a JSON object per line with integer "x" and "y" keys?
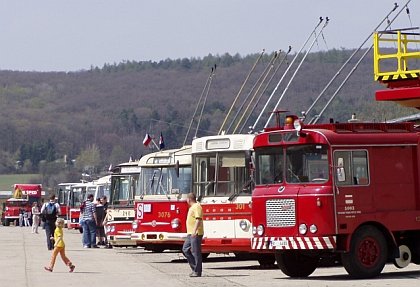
{"x": 17, "y": 203}
{"x": 301, "y": 164}
{"x": 163, "y": 181}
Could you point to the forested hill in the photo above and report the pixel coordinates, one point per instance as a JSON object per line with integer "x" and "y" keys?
{"x": 100, "y": 116}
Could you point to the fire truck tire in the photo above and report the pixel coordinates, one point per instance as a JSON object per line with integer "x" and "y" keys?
{"x": 6, "y": 222}
{"x": 294, "y": 264}
{"x": 81, "y": 230}
{"x": 266, "y": 259}
{"x": 205, "y": 255}
{"x": 368, "y": 253}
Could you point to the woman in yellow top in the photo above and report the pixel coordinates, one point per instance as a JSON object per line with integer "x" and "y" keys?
{"x": 192, "y": 244}
{"x": 59, "y": 247}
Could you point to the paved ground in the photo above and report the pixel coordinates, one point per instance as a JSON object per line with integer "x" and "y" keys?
{"x": 23, "y": 256}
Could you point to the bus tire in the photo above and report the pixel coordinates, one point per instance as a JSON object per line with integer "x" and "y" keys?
{"x": 295, "y": 264}
{"x": 368, "y": 253}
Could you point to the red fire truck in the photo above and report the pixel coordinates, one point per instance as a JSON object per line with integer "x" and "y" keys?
{"x": 63, "y": 197}
{"x": 24, "y": 196}
{"x": 161, "y": 206}
{"x": 124, "y": 181}
{"x": 346, "y": 191}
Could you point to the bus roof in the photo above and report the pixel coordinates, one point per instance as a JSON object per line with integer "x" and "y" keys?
{"x": 167, "y": 157}
{"x": 234, "y": 142}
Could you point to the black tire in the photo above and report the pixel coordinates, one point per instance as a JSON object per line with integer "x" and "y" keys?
{"x": 368, "y": 253}
{"x": 158, "y": 249}
{"x": 266, "y": 259}
{"x": 81, "y": 230}
{"x": 6, "y": 222}
{"x": 295, "y": 264}
{"x": 205, "y": 255}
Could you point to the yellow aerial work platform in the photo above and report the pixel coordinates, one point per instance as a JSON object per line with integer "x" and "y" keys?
{"x": 397, "y": 66}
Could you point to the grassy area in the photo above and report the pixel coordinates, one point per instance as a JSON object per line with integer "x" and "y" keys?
{"x": 8, "y": 180}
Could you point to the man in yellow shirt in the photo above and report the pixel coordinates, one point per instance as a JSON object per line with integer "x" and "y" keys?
{"x": 192, "y": 245}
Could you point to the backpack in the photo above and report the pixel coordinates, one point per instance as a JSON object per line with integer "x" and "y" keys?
{"x": 50, "y": 210}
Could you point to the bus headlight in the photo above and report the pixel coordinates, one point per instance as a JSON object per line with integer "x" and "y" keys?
{"x": 175, "y": 223}
{"x": 260, "y": 230}
{"x": 108, "y": 228}
{"x": 243, "y": 224}
{"x": 135, "y": 224}
{"x": 313, "y": 228}
{"x": 303, "y": 229}
{"x": 254, "y": 230}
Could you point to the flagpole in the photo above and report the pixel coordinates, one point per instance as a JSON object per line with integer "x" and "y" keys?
{"x": 155, "y": 144}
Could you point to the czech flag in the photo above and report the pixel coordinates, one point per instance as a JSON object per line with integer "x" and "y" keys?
{"x": 111, "y": 167}
{"x": 147, "y": 140}
{"x": 161, "y": 142}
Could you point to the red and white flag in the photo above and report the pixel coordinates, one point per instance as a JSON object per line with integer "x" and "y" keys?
{"x": 147, "y": 140}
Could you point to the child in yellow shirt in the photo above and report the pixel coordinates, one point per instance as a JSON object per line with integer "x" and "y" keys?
{"x": 59, "y": 247}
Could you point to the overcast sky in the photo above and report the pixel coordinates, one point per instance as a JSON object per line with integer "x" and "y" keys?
{"x": 56, "y": 35}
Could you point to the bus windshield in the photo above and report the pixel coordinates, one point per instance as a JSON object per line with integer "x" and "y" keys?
{"x": 221, "y": 174}
{"x": 123, "y": 188}
{"x": 294, "y": 164}
{"x": 163, "y": 181}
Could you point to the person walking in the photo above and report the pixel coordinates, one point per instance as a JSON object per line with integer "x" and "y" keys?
{"x": 192, "y": 244}
{"x": 50, "y": 210}
{"x": 59, "y": 247}
{"x": 90, "y": 222}
{"x": 35, "y": 217}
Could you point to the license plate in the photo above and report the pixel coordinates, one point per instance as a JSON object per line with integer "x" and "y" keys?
{"x": 279, "y": 243}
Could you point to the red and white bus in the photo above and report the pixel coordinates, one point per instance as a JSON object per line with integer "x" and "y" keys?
{"x": 161, "y": 206}
{"x": 78, "y": 193}
{"x": 124, "y": 180}
{"x": 222, "y": 180}
{"x": 63, "y": 197}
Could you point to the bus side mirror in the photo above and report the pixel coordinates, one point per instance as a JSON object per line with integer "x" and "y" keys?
{"x": 341, "y": 175}
{"x": 177, "y": 168}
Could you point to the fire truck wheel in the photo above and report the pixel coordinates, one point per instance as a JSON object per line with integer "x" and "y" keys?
{"x": 294, "y": 264}
{"x": 205, "y": 255}
{"x": 6, "y": 222}
{"x": 368, "y": 253}
{"x": 81, "y": 230}
{"x": 266, "y": 259}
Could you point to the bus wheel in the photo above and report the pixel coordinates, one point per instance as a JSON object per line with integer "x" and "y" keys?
{"x": 266, "y": 259}
{"x": 158, "y": 249}
{"x": 294, "y": 264}
{"x": 368, "y": 253}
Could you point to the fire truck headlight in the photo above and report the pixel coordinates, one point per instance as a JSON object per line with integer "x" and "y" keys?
{"x": 243, "y": 224}
{"x": 303, "y": 229}
{"x": 161, "y": 237}
{"x": 260, "y": 230}
{"x": 313, "y": 228}
{"x": 175, "y": 223}
{"x": 113, "y": 228}
{"x": 135, "y": 224}
{"x": 143, "y": 237}
{"x": 254, "y": 230}
{"x": 108, "y": 229}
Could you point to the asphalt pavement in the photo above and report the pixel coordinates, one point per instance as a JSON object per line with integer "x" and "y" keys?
{"x": 24, "y": 255}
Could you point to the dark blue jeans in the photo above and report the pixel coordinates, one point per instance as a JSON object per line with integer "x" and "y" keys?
{"x": 49, "y": 231}
{"x": 194, "y": 257}
{"x": 89, "y": 233}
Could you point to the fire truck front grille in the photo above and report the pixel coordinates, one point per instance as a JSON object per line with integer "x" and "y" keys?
{"x": 280, "y": 212}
